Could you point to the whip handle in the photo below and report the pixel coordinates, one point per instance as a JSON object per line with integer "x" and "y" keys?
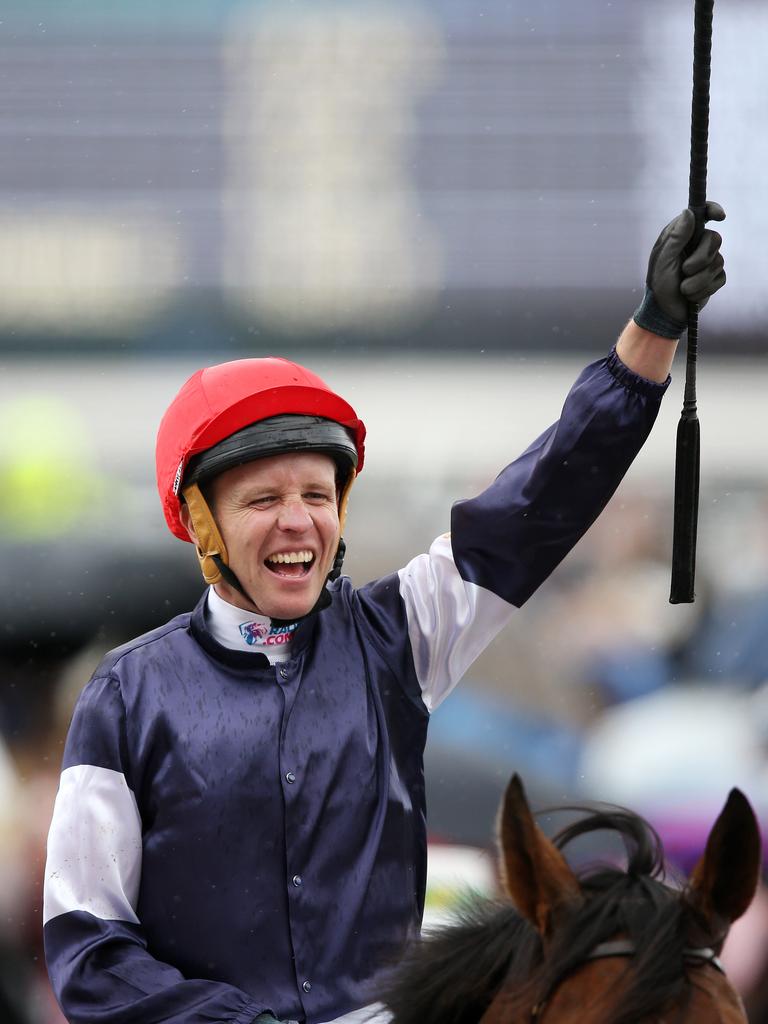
{"x": 687, "y": 459}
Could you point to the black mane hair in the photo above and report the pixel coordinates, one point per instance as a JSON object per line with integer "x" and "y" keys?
{"x": 452, "y": 975}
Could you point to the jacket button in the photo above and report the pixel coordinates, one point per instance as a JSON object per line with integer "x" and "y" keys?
{"x": 290, "y": 777}
{"x": 283, "y": 672}
{"x": 307, "y": 986}
{"x": 297, "y": 880}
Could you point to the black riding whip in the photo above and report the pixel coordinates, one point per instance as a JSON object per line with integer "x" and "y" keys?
{"x": 687, "y": 455}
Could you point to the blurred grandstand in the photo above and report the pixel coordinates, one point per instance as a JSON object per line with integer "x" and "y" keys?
{"x": 445, "y": 208}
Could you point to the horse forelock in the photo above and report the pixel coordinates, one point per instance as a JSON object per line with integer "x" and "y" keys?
{"x": 642, "y": 844}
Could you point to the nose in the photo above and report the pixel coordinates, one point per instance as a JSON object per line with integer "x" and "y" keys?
{"x": 294, "y": 516}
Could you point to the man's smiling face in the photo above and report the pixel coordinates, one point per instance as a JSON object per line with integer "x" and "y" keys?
{"x": 279, "y": 519}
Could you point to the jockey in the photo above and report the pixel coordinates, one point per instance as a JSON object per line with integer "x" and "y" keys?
{"x": 239, "y": 832}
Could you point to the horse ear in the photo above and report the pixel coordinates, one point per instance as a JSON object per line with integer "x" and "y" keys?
{"x": 724, "y": 881}
{"x": 535, "y": 873}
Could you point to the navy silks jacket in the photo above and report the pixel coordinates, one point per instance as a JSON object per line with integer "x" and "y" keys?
{"x": 231, "y": 836}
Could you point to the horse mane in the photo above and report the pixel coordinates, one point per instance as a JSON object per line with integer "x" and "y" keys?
{"x": 453, "y": 974}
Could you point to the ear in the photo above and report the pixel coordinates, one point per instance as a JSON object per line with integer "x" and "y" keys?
{"x": 535, "y": 873}
{"x": 342, "y": 500}
{"x": 724, "y": 881}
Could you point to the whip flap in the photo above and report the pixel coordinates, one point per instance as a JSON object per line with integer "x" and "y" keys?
{"x": 687, "y": 455}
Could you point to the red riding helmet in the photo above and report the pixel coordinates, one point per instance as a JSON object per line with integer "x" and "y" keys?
{"x": 221, "y": 401}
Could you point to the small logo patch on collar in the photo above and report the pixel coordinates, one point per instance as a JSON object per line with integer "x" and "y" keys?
{"x": 254, "y": 632}
{"x": 260, "y": 633}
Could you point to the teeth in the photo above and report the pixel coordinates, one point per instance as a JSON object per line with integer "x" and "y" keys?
{"x": 291, "y": 557}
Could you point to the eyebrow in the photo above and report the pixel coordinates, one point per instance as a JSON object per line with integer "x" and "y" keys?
{"x": 271, "y": 487}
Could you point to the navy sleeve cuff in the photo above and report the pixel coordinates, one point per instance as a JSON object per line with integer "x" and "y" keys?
{"x": 651, "y": 317}
{"x": 633, "y": 381}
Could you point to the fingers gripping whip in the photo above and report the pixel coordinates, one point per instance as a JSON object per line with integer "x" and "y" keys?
{"x": 687, "y": 454}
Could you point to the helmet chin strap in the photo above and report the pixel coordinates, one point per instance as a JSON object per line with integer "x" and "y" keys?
{"x": 212, "y": 552}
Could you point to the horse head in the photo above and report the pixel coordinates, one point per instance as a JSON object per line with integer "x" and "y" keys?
{"x": 621, "y": 946}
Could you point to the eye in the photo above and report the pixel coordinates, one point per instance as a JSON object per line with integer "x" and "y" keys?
{"x": 317, "y": 496}
{"x": 262, "y": 500}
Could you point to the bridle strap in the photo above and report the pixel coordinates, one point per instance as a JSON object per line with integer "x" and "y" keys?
{"x": 617, "y": 947}
{"x": 625, "y": 947}
{"x": 705, "y": 955}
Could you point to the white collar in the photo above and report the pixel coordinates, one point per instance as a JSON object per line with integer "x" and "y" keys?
{"x": 240, "y": 630}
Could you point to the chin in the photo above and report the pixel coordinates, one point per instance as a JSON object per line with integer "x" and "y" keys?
{"x": 290, "y": 609}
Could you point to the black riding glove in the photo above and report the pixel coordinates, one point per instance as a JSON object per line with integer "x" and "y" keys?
{"x": 674, "y": 280}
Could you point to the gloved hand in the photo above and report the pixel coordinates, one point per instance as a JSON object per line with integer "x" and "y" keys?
{"x": 673, "y": 281}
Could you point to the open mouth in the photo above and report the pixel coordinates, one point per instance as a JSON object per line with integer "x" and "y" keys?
{"x": 290, "y": 564}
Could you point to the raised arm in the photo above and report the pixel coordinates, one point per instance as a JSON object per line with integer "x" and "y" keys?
{"x": 507, "y": 541}
{"x": 504, "y": 543}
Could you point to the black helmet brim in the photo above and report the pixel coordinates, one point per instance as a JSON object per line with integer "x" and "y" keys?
{"x": 278, "y": 435}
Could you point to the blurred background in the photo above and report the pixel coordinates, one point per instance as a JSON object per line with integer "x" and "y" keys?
{"x": 446, "y": 209}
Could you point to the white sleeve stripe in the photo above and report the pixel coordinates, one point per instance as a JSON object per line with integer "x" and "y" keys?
{"x": 94, "y": 846}
{"x": 450, "y": 621}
